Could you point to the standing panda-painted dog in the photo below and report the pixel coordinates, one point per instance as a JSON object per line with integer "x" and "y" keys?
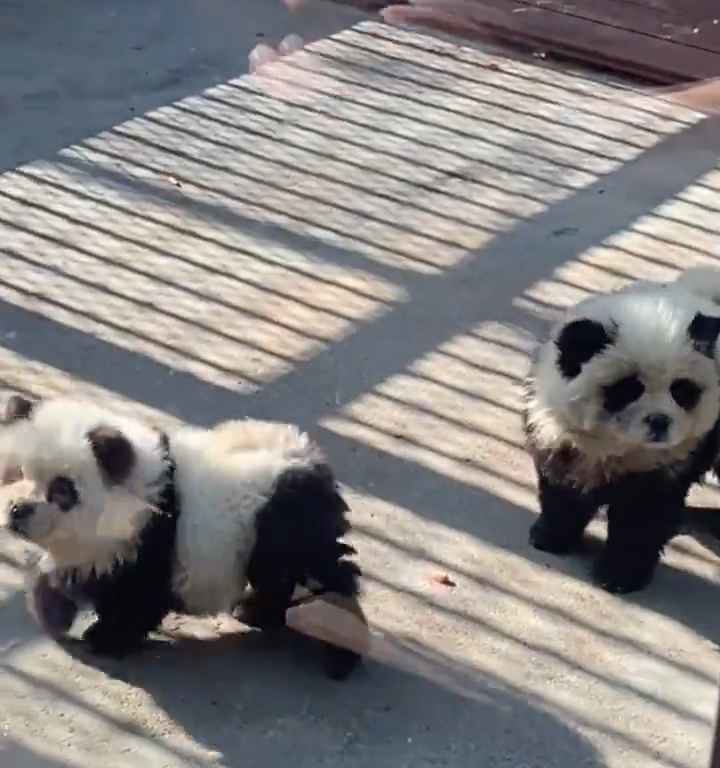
{"x": 136, "y": 522}
{"x": 622, "y": 412}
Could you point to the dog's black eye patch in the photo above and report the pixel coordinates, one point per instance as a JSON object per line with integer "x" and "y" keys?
{"x": 62, "y": 491}
{"x": 619, "y": 395}
{"x": 686, "y": 393}
{"x": 579, "y": 342}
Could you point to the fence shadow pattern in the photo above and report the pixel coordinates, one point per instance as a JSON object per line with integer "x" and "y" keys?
{"x": 366, "y": 240}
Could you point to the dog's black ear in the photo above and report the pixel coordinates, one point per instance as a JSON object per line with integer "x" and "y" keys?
{"x": 113, "y": 452}
{"x": 703, "y": 332}
{"x": 578, "y": 342}
{"x": 17, "y": 407}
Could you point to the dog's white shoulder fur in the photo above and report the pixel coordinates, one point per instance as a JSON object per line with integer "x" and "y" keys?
{"x": 224, "y": 476}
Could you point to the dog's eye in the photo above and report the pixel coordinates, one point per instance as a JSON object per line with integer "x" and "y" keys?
{"x": 62, "y": 492}
{"x": 622, "y": 393}
{"x": 685, "y": 393}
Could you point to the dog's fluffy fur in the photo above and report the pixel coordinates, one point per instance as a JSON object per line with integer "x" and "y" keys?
{"x": 138, "y": 523}
{"x": 622, "y": 411}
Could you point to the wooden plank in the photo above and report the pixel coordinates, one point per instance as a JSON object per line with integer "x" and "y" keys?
{"x": 673, "y": 6}
{"x": 696, "y": 27}
{"x": 592, "y": 42}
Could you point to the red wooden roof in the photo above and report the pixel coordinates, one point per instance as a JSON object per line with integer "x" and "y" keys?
{"x": 665, "y": 41}
{"x": 662, "y": 41}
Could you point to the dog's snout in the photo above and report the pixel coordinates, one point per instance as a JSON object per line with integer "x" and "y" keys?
{"x": 21, "y": 511}
{"x": 658, "y": 425}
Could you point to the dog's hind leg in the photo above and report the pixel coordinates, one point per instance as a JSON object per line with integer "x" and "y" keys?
{"x": 338, "y": 584}
{"x": 269, "y": 599}
{"x": 299, "y": 532}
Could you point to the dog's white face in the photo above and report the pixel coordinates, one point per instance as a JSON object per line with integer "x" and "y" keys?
{"x": 635, "y": 370}
{"x": 71, "y": 486}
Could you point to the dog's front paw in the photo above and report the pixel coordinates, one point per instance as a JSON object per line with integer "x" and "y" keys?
{"x": 622, "y": 576}
{"x": 553, "y": 539}
{"x": 106, "y": 640}
{"x": 54, "y": 610}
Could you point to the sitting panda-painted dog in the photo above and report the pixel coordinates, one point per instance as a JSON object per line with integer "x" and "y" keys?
{"x": 136, "y": 522}
{"x": 622, "y": 411}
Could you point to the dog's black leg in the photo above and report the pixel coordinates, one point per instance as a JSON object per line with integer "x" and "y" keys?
{"x": 565, "y": 513}
{"x": 639, "y": 526}
{"x": 111, "y": 636}
{"x": 133, "y": 598}
{"x": 129, "y": 604}
{"x": 339, "y": 581}
{"x": 124, "y": 620}
{"x": 267, "y": 603}
{"x": 299, "y": 534}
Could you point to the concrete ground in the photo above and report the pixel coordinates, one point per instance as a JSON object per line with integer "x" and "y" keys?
{"x": 365, "y": 240}
{"x": 66, "y": 75}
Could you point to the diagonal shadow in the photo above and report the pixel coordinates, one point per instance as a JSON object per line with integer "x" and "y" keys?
{"x": 438, "y": 308}
{"x": 258, "y": 688}
{"x": 216, "y": 212}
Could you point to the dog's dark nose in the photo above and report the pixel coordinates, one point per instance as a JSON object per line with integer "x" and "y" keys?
{"x": 21, "y": 511}
{"x": 658, "y": 426}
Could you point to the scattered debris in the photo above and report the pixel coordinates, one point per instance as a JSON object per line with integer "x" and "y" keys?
{"x": 562, "y": 231}
{"x": 444, "y": 580}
